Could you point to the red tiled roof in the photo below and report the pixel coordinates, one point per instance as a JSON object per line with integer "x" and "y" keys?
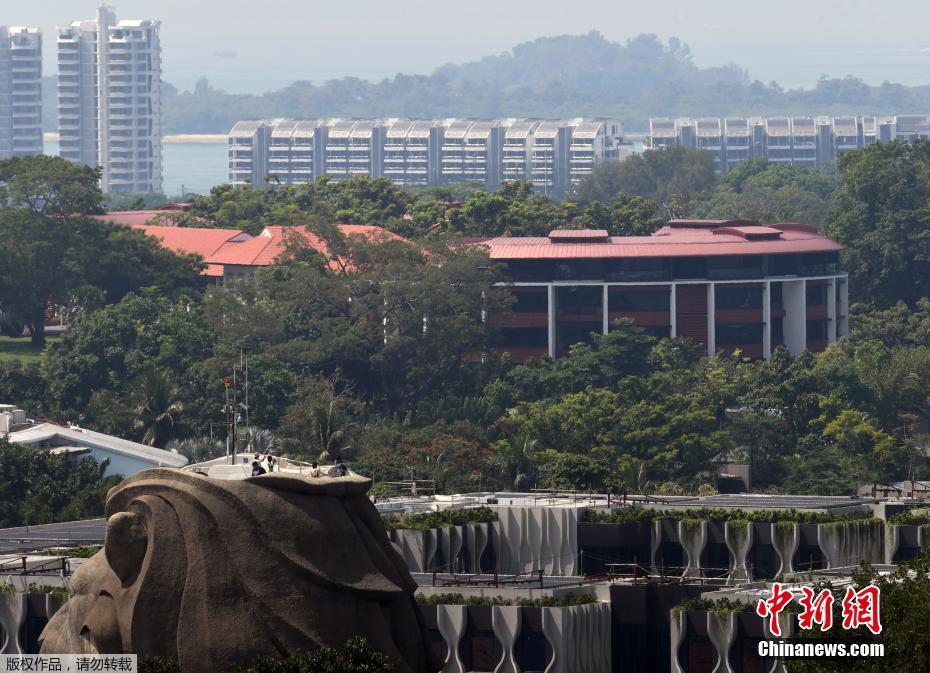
{"x": 165, "y": 215}
{"x": 265, "y": 248}
{"x": 699, "y": 240}
{"x": 135, "y": 218}
{"x": 197, "y": 240}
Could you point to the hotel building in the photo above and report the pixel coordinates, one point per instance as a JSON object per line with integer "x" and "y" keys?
{"x": 20, "y": 91}
{"x": 109, "y": 100}
{"x": 726, "y": 284}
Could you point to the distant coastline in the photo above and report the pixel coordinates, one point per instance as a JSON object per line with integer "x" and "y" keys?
{"x": 179, "y": 138}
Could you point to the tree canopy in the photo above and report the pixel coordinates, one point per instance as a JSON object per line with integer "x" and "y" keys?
{"x": 882, "y": 215}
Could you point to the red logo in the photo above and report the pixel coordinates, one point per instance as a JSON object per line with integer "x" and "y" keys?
{"x": 861, "y": 608}
{"x": 817, "y": 609}
{"x": 773, "y": 607}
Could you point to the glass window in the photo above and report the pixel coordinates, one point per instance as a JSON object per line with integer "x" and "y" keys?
{"x": 531, "y": 300}
{"x": 634, "y": 299}
{"x": 728, "y": 297}
{"x": 738, "y": 333}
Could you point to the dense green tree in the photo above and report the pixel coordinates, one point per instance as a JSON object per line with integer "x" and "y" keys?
{"x": 672, "y": 177}
{"x": 882, "y": 215}
{"x": 50, "y": 186}
{"x": 896, "y": 325}
{"x": 905, "y": 619}
{"x": 603, "y": 363}
{"x": 113, "y": 346}
{"x": 359, "y": 200}
{"x": 764, "y": 191}
{"x": 78, "y": 262}
{"x": 626, "y": 215}
{"x": 38, "y": 487}
{"x": 512, "y": 210}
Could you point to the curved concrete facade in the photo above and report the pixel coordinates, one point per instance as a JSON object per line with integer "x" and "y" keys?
{"x": 17, "y": 612}
{"x": 466, "y": 548}
{"x": 723, "y": 633}
{"x": 537, "y": 538}
{"x": 579, "y": 637}
{"x": 791, "y": 547}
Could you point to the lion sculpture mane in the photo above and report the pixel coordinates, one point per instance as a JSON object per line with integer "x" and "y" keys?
{"x": 215, "y": 573}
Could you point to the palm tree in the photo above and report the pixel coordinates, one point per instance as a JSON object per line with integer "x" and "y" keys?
{"x": 157, "y": 406}
{"x": 263, "y": 441}
{"x": 197, "y": 449}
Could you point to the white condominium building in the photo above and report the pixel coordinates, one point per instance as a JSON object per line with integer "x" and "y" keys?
{"x": 20, "y": 91}
{"x": 518, "y": 149}
{"x": 593, "y": 141}
{"x": 248, "y": 153}
{"x": 552, "y": 154}
{"x": 411, "y": 152}
{"x": 812, "y": 142}
{"x": 109, "y": 100}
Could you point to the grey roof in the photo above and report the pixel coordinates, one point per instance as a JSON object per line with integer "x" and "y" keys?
{"x": 342, "y": 128}
{"x": 588, "y": 128}
{"x": 663, "y": 128}
{"x": 306, "y": 129}
{"x": 778, "y": 126}
{"x": 284, "y": 128}
{"x": 458, "y": 128}
{"x": 399, "y": 128}
{"x": 803, "y": 126}
{"x": 245, "y": 129}
{"x": 708, "y": 127}
{"x": 482, "y": 129}
{"x": 45, "y": 433}
{"x": 364, "y": 128}
{"x": 845, "y": 126}
{"x": 736, "y": 127}
{"x": 761, "y": 501}
{"x": 912, "y": 124}
{"x": 522, "y": 128}
{"x": 549, "y": 128}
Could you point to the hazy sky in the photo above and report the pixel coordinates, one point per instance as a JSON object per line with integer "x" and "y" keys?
{"x": 255, "y": 46}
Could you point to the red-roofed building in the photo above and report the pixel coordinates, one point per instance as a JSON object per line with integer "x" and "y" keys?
{"x": 165, "y": 215}
{"x": 231, "y": 254}
{"x": 727, "y": 284}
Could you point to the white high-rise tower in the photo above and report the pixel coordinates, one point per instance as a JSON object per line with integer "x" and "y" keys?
{"x": 109, "y": 100}
{"x": 20, "y": 91}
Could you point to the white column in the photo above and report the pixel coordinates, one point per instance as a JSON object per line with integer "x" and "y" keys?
{"x": 605, "y": 305}
{"x": 831, "y": 311}
{"x": 794, "y": 300}
{"x": 767, "y": 320}
{"x": 843, "y": 309}
{"x": 552, "y": 298}
{"x": 711, "y": 320}
{"x": 672, "y": 312}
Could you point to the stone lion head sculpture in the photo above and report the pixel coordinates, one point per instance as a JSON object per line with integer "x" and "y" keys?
{"x": 215, "y": 573}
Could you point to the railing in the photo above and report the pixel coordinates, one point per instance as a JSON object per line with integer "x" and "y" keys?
{"x": 494, "y": 579}
{"x": 21, "y": 566}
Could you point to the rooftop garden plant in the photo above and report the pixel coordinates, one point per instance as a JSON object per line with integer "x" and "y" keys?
{"x": 442, "y": 519}
{"x": 635, "y": 514}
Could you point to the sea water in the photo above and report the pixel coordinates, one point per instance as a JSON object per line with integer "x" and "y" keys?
{"x": 189, "y": 166}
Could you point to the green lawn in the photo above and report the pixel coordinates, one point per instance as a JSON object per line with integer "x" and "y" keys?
{"x": 21, "y": 349}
